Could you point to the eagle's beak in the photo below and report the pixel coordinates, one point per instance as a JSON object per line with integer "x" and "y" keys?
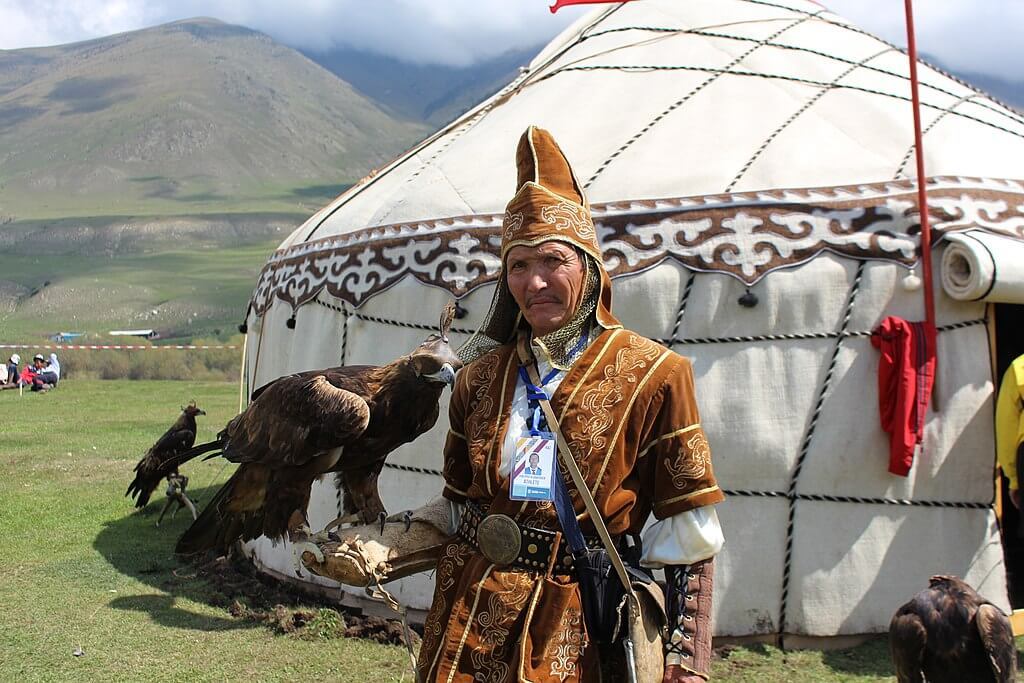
{"x": 201, "y": 412}
{"x": 445, "y": 375}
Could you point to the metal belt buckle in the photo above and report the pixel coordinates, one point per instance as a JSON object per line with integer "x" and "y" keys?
{"x": 499, "y": 539}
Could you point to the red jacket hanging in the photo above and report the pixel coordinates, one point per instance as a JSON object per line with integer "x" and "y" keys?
{"x": 906, "y": 372}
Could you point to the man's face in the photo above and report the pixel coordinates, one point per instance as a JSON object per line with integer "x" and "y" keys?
{"x": 547, "y": 283}
{"x": 38, "y": 363}
{"x": 534, "y": 460}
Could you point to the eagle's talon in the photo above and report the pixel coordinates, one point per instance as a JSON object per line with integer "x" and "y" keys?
{"x": 382, "y": 518}
{"x": 339, "y": 521}
{"x": 407, "y": 518}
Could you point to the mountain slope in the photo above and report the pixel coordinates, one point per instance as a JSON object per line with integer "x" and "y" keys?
{"x": 191, "y": 116}
{"x": 144, "y": 177}
{"x": 433, "y": 93}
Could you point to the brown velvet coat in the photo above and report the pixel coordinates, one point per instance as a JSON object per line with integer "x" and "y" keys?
{"x": 627, "y": 410}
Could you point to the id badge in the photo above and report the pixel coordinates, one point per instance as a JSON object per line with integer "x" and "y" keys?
{"x": 532, "y": 466}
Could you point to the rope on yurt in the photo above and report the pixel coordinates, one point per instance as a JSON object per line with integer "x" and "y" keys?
{"x": 344, "y": 334}
{"x": 791, "y": 493}
{"x": 816, "y": 497}
{"x": 259, "y": 348}
{"x": 678, "y": 103}
{"x": 243, "y": 380}
{"x": 1003, "y": 110}
{"x": 901, "y": 171}
{"x": 857, "y": 29}
{"x": 806, "y": 105}
{"x": 903, "y": 502}
{"x": 387, "y": 321}
{"x": 793, "y": 79}
{"x": 682, "y": 306}
{"x": 801, "y": 336}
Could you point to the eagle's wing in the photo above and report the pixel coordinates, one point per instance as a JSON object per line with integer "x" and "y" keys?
{"x": 173, "y": 441}
{"x": 997, "y": 637}
{"x": 294, "y": 419}
{"x": 158, "y": 462}
{"x": 907, "y": 640}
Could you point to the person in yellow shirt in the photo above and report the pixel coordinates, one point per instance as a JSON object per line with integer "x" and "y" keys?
{"x": 1010, "y": 425}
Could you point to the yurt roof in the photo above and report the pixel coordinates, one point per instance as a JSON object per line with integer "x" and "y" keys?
{"x": 665, "y": 106}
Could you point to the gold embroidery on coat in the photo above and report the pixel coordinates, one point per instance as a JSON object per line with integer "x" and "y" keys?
{"x": 687, "y": 496}
{"x": 564, "y": 650}
{"x": 692, "y": 461}
{"x": 663, "y": 437}
{"x": 596, "y": 363}
{"x": 454, "y": 662}
{"x": 625, "y": 417}
{"x": 454, "y": 556}
{"x": 481, "y": 405}
{"x": 595, "y": 408}
{"x": 542, "y": 514}
{"x": 490, "y": 662}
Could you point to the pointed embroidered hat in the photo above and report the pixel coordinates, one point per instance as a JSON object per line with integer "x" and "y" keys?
{"x": 549, "y": 206}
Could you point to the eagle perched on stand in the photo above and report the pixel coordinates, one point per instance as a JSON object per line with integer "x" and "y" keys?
{"x": 163, "y": 457}
{"x": 949, "y": 634}
{"x": 299, "y": 427}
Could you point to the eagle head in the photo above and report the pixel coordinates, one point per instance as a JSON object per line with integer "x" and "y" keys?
{"x": 435, "y": 360}
{"x": 192, "y": 409}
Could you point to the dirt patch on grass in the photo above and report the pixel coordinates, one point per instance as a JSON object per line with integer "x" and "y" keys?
{"x": 247, "y": 594}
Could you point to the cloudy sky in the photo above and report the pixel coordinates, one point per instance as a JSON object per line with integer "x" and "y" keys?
{"x": 969, "y": 35}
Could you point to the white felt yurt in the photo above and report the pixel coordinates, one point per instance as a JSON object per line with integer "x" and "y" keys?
{"x": 725, "y": 145}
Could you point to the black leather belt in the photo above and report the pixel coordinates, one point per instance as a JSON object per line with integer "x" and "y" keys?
{"x": 506, "y": 542}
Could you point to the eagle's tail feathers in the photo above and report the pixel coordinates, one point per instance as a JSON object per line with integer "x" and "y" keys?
{"x": 140, "y": 490}
{"x": 215, "y": 527}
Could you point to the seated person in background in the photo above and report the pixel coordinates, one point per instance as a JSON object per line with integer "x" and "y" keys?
{"x": 28, "y": 373}
{"x": 9, "y": 372}
{"x": 47, "y": 373}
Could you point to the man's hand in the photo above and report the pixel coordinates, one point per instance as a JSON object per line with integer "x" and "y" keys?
{"x": 677, "y": 674}
{"x": 1015, "y": 497}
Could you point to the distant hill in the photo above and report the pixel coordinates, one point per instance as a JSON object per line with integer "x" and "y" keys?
{"x": 431, "y": 93}
{"x": 187, "y": 117}
{"x": 145, "y": 177}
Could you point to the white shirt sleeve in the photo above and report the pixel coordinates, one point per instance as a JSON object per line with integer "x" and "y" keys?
{"x": 683, "y": 539}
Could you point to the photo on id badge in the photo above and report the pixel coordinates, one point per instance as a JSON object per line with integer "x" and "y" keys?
{"x": 532, "y": 467}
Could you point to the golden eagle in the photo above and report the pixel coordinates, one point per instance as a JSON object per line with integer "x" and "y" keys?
{"x": 302, "y": 426}
{"x": 949, "y": 634}
{"x": 163, "y": 457}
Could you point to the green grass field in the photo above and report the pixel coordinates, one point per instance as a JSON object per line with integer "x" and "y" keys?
{"x": 82, "y": 569}
{"x": 194, "y": 291}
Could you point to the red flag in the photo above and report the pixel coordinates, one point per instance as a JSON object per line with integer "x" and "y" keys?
{"x": 562, "y": 3}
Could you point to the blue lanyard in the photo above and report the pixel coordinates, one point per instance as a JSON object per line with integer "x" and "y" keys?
{"x": 535, "y": 394}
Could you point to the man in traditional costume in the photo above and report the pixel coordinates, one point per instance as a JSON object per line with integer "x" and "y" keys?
{"x": 627, "y": 409}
